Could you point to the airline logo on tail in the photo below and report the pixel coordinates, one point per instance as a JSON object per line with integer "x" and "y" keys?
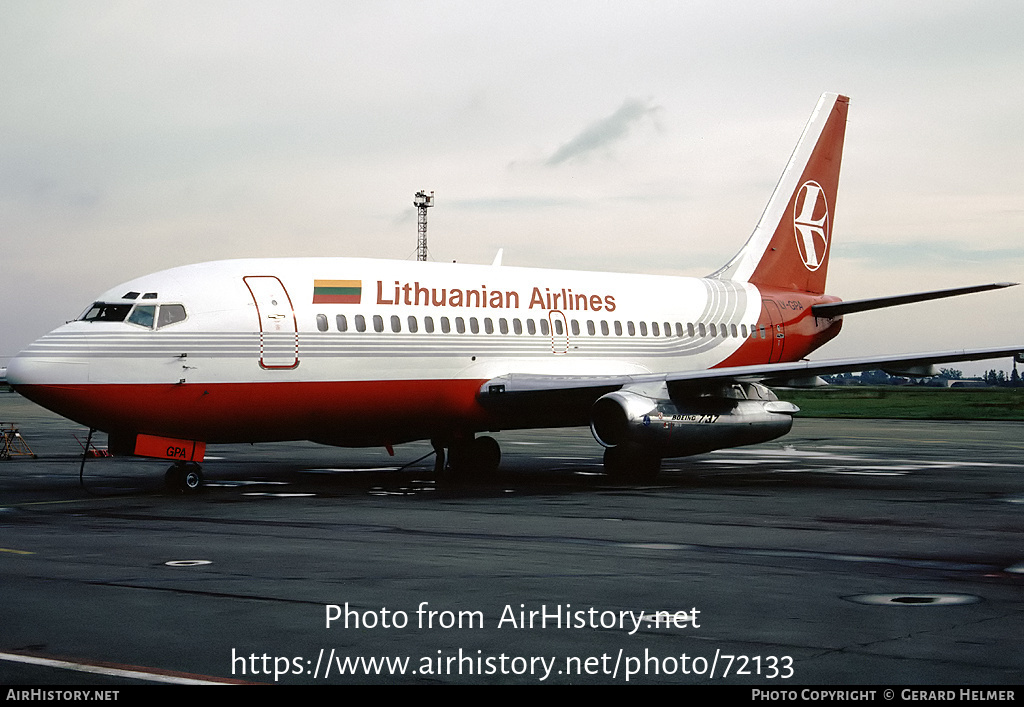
{"x": 811, "y": 224}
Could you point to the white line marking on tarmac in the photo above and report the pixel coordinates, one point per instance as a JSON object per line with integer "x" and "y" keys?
{"x": 187, "y": 563}
{"x": 329, "y": 470}
{"x": 114, "y": 670}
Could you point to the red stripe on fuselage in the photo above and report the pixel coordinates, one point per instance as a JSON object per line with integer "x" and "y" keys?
{"x": 360, "y": 413}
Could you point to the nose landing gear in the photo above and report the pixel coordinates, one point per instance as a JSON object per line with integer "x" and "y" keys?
{"x": 186, "y": 477}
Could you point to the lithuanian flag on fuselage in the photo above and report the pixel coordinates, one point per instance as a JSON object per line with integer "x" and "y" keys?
{"x": 337, "y": 291}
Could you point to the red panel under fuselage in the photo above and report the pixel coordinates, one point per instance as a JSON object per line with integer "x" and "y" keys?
{"x": 362, "y": 413}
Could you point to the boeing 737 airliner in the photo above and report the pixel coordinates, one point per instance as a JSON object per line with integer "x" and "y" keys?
{"x": 358, "y": 352}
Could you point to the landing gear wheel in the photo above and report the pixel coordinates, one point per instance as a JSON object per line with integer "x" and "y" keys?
{"x": 630, "y": 466}
{"x": 187, "y": 477}
{"x": 479, "y": 456}
{"x": 487, "y": 454}
{"x": 192, "y": 478}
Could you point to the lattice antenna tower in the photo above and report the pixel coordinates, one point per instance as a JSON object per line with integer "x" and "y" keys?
{"x": 422, "y": 202}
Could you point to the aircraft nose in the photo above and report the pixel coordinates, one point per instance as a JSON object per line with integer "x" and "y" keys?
{"x": 15, "y": 371}
{"x": 48, "y": 379}
{"x": 32, "y": 368}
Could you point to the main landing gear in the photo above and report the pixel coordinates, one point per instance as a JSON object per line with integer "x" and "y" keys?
{"x": 476, "y": 456}
{"x": 629, "y": 465}
{"x": 186, "y": 477}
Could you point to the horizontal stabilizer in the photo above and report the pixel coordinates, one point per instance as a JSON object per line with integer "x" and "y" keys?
{"x": 838, "y": 309}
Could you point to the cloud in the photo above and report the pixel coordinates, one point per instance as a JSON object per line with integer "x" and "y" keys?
{"x": 604, "y": 132}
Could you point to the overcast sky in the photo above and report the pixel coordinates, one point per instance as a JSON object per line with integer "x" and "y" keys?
{"x": 635, "y": 136}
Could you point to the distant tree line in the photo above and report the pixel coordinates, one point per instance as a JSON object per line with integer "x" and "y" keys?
{"x": 991, "y": 377}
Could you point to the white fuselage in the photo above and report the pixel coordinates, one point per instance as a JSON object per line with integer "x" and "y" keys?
{"x": 263, "y": 349}
{"x": 412, "y": 320}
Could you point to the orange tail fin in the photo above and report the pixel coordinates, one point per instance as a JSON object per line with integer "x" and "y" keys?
{"x": 790, "y": 246}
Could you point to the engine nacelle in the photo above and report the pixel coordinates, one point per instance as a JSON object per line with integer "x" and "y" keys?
{"x": 734, "y": 416}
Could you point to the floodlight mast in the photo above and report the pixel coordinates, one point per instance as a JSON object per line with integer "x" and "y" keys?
{"x": 422, "y": 202}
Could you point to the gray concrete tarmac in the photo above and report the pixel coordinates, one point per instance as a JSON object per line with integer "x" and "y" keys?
{"x": 849, "y": 552}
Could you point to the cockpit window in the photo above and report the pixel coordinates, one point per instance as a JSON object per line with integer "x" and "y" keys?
{"x": 143, "y": 315}
{"x": 169, "y": 314}
{"x": 105, "y": 312}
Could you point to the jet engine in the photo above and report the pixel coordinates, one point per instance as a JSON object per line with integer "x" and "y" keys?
{"x": 655, "y": 424}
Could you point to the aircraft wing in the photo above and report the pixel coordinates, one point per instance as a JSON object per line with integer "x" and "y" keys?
{"x": 539, "y": 387}
{"x": 919, "y": 364}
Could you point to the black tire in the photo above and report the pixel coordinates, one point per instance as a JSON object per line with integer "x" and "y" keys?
{"x": 172, "y": 479}
{"x": 487, "y": 454}
{"x": 186, "y": 478}
{"x": 630, "y": 465}
{"x": 476, "y": 456}
{"x": 191, "y": 478}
